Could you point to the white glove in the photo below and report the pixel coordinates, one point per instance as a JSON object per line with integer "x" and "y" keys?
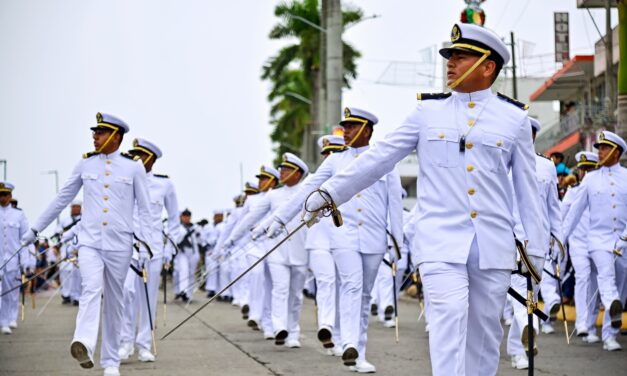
{"x": 258, "y": 232}
{"x": 28, "y": 238}
{"x": 622, "y": 245}
{"x": 67, "y": 237}
{"x": 144, "y": 259}
{"x": 275, "y": 229}
{"x": 314, "y": 203}
{"x": 536, "y": 261}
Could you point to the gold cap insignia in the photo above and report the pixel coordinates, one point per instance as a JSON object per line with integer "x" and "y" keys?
{"x": 347, "y": 112}
{"x": 456, "y": 33}
{"x": 262, "y": 169}
{"x": 325, "y": 142}
{"x": 1, "y": 185}
{"x": 135, "y": 143}
{"x": 602, "y": 136}
{"x": 99, "y": 117}
{"x": 583, "y": 158}
{"x": 284, "y": 157}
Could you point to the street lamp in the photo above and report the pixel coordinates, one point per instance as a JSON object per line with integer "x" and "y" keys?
{"x": 298, "y": 96}
{"x": 56, "y": 182}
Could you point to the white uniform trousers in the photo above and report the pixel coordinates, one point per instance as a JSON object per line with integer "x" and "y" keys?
{"x": 65, "y": 278}
{"x": 135, "y": 301}
{"x": 327, "y": 291}
{"x": 382, "y": 292}
{"x": 357, "y": 272}
{"x": 464, "y": 315}
{"x": 520, "y": 319}
{"x": 240, "y": 289}
{"x": 582, "y": 263}
{"x": 288, "y": 282}
{"x": 310, "y": 282}
{"x": 103, "y": 273}
{"x": 9, "y": 305}
{"x": 184, "y": 277}
{"x": 606, "y": 280}
{"x": 211, "y": 283}
{"x": 224, "y": 276}
{"x": 76, "y": 281}
{"x": 193, "y": 259}
{"x": 549, "y": 288}
{"x": 508, "y": 310}
{"x": 621, "y": 278}
{"x": 260, "y": 294}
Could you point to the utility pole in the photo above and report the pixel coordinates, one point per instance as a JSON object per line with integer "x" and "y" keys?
{"x": 334, "y": 59}
{"x": 322, "y": 78}
{"x": 621, "y": 124}
{"x": 514, "y": 78}
{"x": 609, "y": 62}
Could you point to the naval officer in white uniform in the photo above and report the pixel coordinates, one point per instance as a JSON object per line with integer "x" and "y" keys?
{"x": 113, "y": 183}
{"x": 288, "y": 264}
{"x": 162, "y": 196}
{"x": 585, "y": 277}
{"x": 604, "y": 192}
{"x": 551, "y": 221}
{"x": 321, "y": 263}
{"x": 360, "y": 244}
{"x": 467, "y": 142}
{"x": 13, "y": 225}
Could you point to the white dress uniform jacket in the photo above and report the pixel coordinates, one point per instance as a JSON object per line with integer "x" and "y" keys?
{"x": 14, "y": 226}
{"x": 292, "y": 252}
{"x": 365, "y": 212}
{"x": 112, "y": 184}
{"x": 162, "y": 195}
{"x": 604, "y": 191}
{"x": 462, "y": 195}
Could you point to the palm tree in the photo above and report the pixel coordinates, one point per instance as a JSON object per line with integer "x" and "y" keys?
{"x": 295, "y": 70}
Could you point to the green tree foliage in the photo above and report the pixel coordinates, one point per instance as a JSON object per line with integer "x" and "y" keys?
{"x": 294, "y": 71}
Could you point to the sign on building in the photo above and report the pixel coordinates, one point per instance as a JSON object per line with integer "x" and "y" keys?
{"x": 562, "y": 45}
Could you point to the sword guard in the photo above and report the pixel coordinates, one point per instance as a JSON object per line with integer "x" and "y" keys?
{"x": 329, "y": 209}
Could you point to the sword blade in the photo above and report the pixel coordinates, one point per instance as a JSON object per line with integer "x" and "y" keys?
{"x": 234, "y": 281}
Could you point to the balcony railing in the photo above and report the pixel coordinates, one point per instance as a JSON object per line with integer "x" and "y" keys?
{"x": 584, "y": 117}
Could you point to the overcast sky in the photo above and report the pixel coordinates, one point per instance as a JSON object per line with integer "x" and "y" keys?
{"x": 185, "y": 75}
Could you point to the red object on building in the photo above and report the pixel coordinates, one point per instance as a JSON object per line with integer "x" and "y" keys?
{"x": 566, "y": 81}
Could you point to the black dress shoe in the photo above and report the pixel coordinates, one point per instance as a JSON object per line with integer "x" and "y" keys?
{"x": 75, "y": 303}
{"x": 279, "y": 337}
{"x": 65, "y": 300}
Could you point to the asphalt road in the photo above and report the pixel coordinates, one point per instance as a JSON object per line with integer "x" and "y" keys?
{"x": 218, "y": 342}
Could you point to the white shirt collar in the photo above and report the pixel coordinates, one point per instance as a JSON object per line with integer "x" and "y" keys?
{"x": 475, "y": 96}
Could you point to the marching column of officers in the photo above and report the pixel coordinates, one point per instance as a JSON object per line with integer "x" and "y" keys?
{"x": 480, "y": 187}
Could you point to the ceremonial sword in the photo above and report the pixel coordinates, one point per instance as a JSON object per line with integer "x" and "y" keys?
{"x": 236, "y": 279}
{"x": 330, "y": 209}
